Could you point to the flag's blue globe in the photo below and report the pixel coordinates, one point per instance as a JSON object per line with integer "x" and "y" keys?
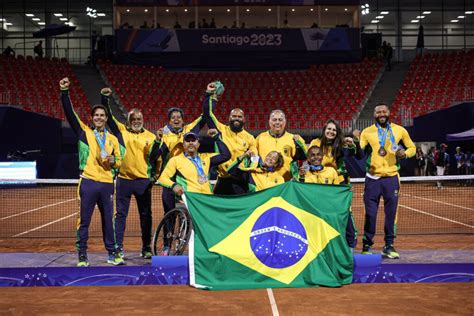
{"x": 278, "y": 239}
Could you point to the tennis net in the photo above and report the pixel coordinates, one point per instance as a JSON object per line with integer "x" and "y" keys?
{"x": 49, "y": 208}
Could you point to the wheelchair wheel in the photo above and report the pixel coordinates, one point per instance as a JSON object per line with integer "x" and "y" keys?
{"x": 172, "y": 233}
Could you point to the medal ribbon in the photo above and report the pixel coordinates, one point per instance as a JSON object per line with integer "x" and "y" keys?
{"x": 198, "y": 164}
{"x": 383, "y": 135}
{"x": 101, "y": 141}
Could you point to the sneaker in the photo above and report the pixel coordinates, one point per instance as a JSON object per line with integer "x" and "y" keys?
{"x": 390, "y": 252}
{"x": 83, "y": 261}
{"x": 121, "y": 253}
{"x": 165, "y": 252}
{"x": 115, "y": 259}
{"x": 146, "y": 254}
{"x": 366, "y": 250}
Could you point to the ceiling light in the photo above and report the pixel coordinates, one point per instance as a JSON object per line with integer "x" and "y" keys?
{"x": 100, "y": 14}
{"x": 185, "y": 10}
{"x": 461, "y": 17}
{"x": 167, "y": 10}
{"x": 375, "y": 21}
{"x": 69, "y": 23}
{"x": 420, "y": 17}
{"x": 58, "y": 14}
{"x": 326, "y": 9}
{"x": 415, "y": 21}
{"x": 269, "y": 10}
{"x": 468, "y": 12}
{"x": 63, "y": 19}
{"x": 384, "y": 12}
{"x": 454, "y": 21}
{"x": 8, "y": 24}
{"x": 91, "y": 12}
{"x": 29, "y": 14}
{"x": 2, "y": 20}
{"x": 426, "y": 12}
{"x": 248, "y": 10}
{"x": 210, "y": 10}
{"x": 292, "y": 10}
{"x": 36, "y": 19}
{"x": 41, "y": 23}
{"x": 128, "y": 10}
{"x": 366, "y": 5}
{"x": 146, "y": 10}
{"x": 228, "y": 10}
{"x": 311, "y": 9}
{"x": 379, "y": 17}
{"x": 345, "y": 9}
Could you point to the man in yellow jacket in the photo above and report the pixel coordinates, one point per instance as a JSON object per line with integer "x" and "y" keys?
{"x": 385, "y": 143}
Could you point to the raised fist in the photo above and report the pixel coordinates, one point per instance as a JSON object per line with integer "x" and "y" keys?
{"x": 212, "y": 132}
{"x": 211, "y": 88}
{"x": 64, "y": 83}
{"x": 106, "y": 91}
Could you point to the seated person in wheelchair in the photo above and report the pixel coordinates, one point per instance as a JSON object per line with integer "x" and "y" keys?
{"x": 189, "y": 171}
{"x": 259, "y": 174}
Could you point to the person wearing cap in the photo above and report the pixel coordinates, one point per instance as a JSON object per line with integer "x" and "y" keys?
{"x": 189, "y": 171}
{"x": 137, "y": 174}
{"x": 383, "y": 143}
{"x": 236, "y": 138}
{"x": 441, "y": 162}
{"x": 291, "y": 147}
{"x": 99, "y": 160}
{"x": 171, "y": 145}
{"x": 259, "y": 175}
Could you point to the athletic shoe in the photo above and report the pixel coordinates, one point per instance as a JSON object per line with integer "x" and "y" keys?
{"x": 390, "y": 252}
{"x": 165, "y": 252}
{"x": 366, "y": 250}
{"x": 83, "y": 261}
{"x": 121, "y": 253}
{"x": 146, "y": 254}
{"x": 114, "y": 259}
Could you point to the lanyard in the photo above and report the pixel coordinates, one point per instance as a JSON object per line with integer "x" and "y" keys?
{"x": 383, "y": 136}
{"x": 198, "y": 164}
{"x": 101, "y": 141}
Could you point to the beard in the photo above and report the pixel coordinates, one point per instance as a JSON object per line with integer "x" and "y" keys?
{"x": 236, "y": 126}
{"x": 136, "y": 128}
{"x": 382, "y": 117}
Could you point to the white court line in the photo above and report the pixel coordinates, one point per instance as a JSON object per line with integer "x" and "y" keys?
{"x": 440, "y": 217}
{"x": 272, "y": 302}
{"x": 42, "y": 226}
{"x": 36, "y": 209}
{"x": 441, "y": 202}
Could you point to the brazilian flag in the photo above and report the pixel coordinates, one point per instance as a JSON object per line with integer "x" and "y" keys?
{"x": 292, "y": 235}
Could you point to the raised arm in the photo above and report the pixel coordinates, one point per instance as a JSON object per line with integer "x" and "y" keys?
{"x": 223, "y": 153}
{"x": 115, "y": 125}
{"x": 300, "y": 146}
{"x": 208, "y": 105}
{"x": 76, "y": 124}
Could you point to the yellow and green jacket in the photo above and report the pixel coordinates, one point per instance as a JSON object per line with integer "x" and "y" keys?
{"x": 388, "y": 165}
{"x": 90, "y": 163}
{"x": 238, "y": 143}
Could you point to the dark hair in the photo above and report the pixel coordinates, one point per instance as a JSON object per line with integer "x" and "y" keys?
{"x": 336, "y": 144}
{"x": 280, "y": 161}
{"x": 171, "y": 110}
{"x": 99, "y": 106}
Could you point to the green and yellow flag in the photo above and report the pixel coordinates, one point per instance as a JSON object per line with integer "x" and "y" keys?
{"x": 292, "y": 235}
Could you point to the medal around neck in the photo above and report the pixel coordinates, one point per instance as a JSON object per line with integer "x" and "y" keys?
{"x": 202, "y": 179}
{"x": 103, "y": 154}
{"x": 382, "y": 152}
